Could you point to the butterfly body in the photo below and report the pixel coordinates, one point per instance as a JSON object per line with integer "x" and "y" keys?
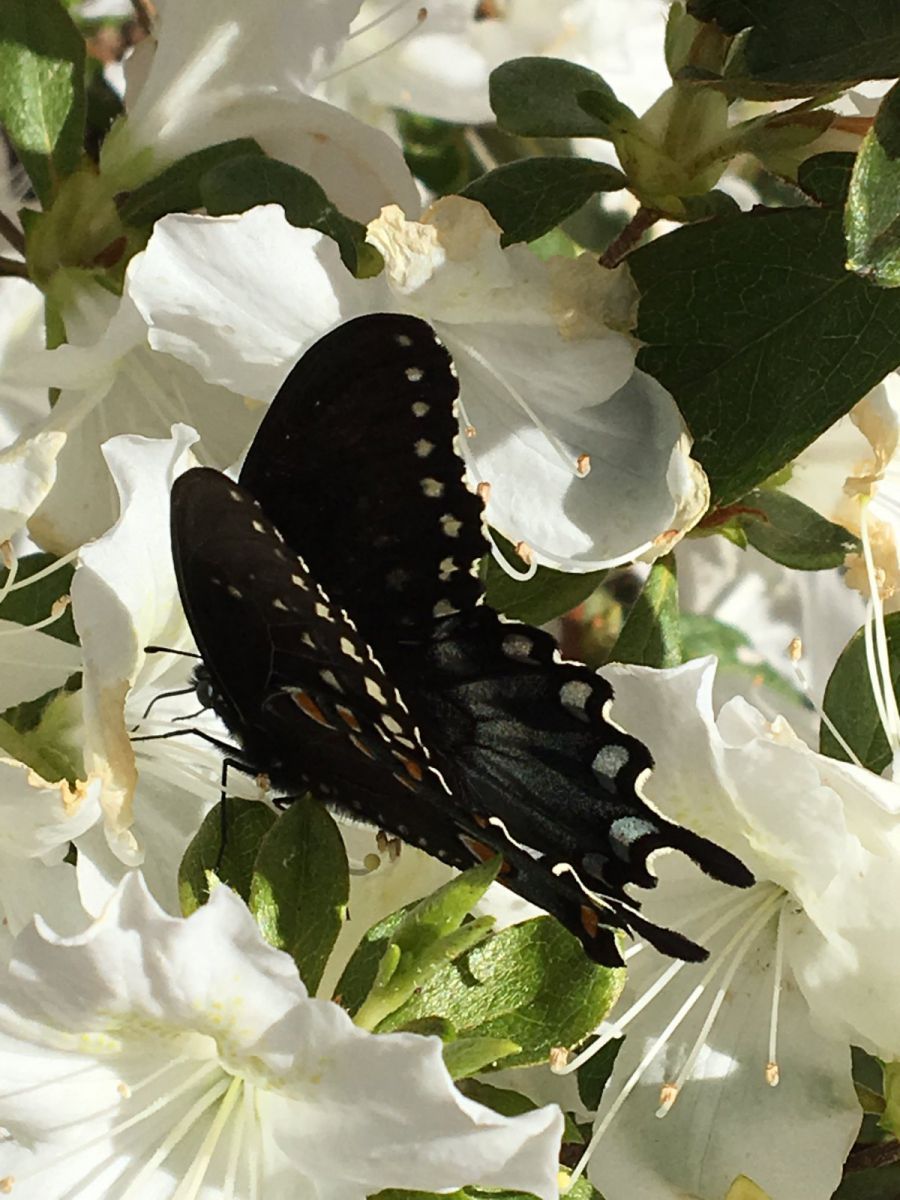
{"x": 335, "y": 598}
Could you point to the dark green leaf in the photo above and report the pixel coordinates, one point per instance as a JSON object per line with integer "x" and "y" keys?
{"x": 850, "y": 703}
{"x": 300, "y": 887}
{"x": 30, "y": 604}
{"x": 531, "y": 983}
{"x": 529, "y": 197}
{"x": 800, "y": 47}
{"x": 762, "y": 336}
{"x": 651, "y": 635}
{"x": 241, "y": 183}
{"x": 793, "y": 534}
{"x": 537, "y": 97}
{"x": 177, "y": 189}
{"x": 510, "y": 1103}
{"x": 872, "y": 216}
{"x": 877, "y": 1183}
{"x": 225, "y": 846}
{"x": 546, "y": 595}
{"x": 593, "y": 1076}
{"x": 42, "y": 90}
{"x": 826, "y": 177}
{"x": 437, "y": 152}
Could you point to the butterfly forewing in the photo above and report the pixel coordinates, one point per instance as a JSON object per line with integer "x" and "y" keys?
{"x": 355, "y": 462}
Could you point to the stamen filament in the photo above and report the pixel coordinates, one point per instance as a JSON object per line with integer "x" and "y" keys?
{"x": 795, "y": 650}
{"x": 383, "y": 16}
{"x": 62, "y": 561}
{"x": 178, "y": 1131}
{"x": 11, "y": 563}
{"x": 239, "y": 1132}
{"x": 740, "y": 943}
{"x": 633, "y": 1080}
{"x": 56, "y": 611}
{"x": 190, "y": 1185}
{"x": 420, "y": 19}
{"x": 772, "y": 1073}
{"x": 882, "y": 687}
{"x": 502, "y": 561}
{"x": 614, "y": 1028}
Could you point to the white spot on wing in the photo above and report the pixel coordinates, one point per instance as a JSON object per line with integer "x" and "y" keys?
{"x": 414, "y": 374}
{"x": 403, "y": 339}
{"x": 450, "y": 525}
{"x": 350, "y": 650}
{"x": 424, "y": 447}
{"x": 375, "y": 691}
{"x": 610, "y": 760}
{"x": 432, "y": 488}
{"x": 420, "y": 408}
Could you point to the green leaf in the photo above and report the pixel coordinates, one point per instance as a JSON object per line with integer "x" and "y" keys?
{"x": 510, "y": 1103}
{"x": 224, "y": 848}
{"x": 593, "y": 1076}
{"x": 538, "y": 97}
{"x": 42, "y": 102}
{"x": 47, "y": 734}
{"x": 428, "y": 935}
{"x": 468, "y": 1056}
{"x": 702, "y": 635}
{"x": 529, "y": 197}
{"x": 876, "y": 1183}
{"x": 361, "y": 971}
{"x": 177, "y": 189}
{"x": 531, "y": 983}
{"x": 547, "y": 594}
{"x": 300, "y": 887}
{"x": 437, "y": 152}
{"x": 826, "y": 177}
{"x": 791, "y": 533}
{"x": 30, "y": 604}
{"x": 850, "y": 703}
{"x": 872, "y": 216}
{"x": 800, "y": 48}
{"x": 241, "y": 183}
{"x": 761, "y": 335}
{"x": 651, "y": 635}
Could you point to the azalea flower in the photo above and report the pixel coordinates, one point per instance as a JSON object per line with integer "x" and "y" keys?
{"x": 113, "y": 381}
{"x": 164, "y": 1055}
{"x": 587, "y": 460}
{"x": 214, "y": 71}
{"x": 440, "y": 65}
{"x": 124, "y": 598}
{"x": 720, "y": 1059}
{"x": 858, "y": 459}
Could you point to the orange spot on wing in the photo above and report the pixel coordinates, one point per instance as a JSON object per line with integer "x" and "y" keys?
{"x": 413, "y": 769}
{"x": 348, "y": 717}
{"x": 590, "y": 922}
{"x": 361, "y": 746}
{"x": 306, "y": 704}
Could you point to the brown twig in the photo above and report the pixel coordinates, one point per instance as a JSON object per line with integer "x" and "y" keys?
{"x": 882, "y": 1154}
{"x": 642, "y": 220}
{"x": 12, "y": 233}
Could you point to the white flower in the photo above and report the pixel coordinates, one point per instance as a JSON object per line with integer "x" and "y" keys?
{"x": 440, "y": 65}
{"x": 21, "y": 336}
{"x": 851, "y": 475}
{"x": 114, "y": 381}
{"x": 155, "y": 792}
{"x": 587, "y": 459}
{"x": 160, "y": 1056}
{"x": 799, "y": 966}
{"x": 221, "y": 69}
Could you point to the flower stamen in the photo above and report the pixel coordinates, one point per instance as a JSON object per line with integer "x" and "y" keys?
{"x": 795, "y": 651}
{"x": 421, "y": 16}
{"x": 56, "y": 611}
{"x": 773, "y": 1075}
{"x": 614, "y": 1029}
{"x": 877, "y": 653}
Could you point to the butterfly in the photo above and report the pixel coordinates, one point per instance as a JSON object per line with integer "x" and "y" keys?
{"x": 335, "y": 597}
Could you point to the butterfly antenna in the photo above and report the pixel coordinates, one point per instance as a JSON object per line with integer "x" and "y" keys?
{"x": 171, "y": 650}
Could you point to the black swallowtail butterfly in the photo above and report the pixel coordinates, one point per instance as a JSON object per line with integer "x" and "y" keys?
{"x": 335, "y": 598}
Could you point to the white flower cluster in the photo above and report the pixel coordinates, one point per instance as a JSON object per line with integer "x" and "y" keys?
{"x": 148, "y": 1054}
